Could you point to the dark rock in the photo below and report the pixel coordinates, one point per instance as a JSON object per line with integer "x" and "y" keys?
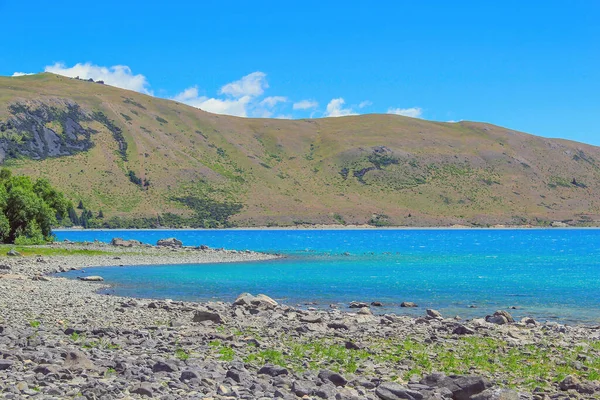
{"x": 462, "y": 387}
{"x": 272, "y": 370}
{"x": 463, "y": 330}
{"x": 408, "y": 304}
{"x": 337, "y": 325}
{"x": 5, "y": 364}
{"x": 351, "y": 345}
{"x": 377, "y": 304}
{"x": 164, "y": 366}
{"x": 302, "y": 388}
{"x": 203, "y": 315}
{"x": 570, "y": 382}
{"x": 357, "y": 304}
{"x": 395, "y": 391}
{"x": 143, "y": 389}
{"x": 189, "y": 375}
{"x": 5, "y": 267}
{"x": 326, "y": 391}
{"x": 333, "y": 377}
{"x": 170, "y": 242}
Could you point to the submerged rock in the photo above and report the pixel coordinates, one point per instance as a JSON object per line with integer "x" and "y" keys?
{"x": 408, "y": 304}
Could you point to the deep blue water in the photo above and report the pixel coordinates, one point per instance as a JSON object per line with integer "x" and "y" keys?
{"x": 549, "y": 274}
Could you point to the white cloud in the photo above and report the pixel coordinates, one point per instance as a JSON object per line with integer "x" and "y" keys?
{"x": 284, "y": 116}
{"x": 305, "y": 105}
{"x": 253, "y": 84}
{"x": 365, "y": 103}
{"x": 242, "y": 98}
{"x": 272, "y": 101}
{"x": 413, "y": 112}
{"x": 335, "y": 108}
{"x": 23, "y": 73}
{"x": 191, "y": 96}
{"x": 117, "y": 75}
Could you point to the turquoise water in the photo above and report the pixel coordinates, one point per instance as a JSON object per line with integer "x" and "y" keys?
{"x": 549, "y": 274}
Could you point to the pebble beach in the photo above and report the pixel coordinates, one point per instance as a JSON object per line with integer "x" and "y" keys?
{"x": 61, "y": 339}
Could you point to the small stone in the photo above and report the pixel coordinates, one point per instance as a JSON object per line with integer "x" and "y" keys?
{"x": 395, "y": 391}
{"x": 333, "y": 377}
{"x": 272, "y": 370}
{"x": 462, "y": 330}
{"x": 5, "y": 364}
{"x": 311, "y": 319}
{"x": 357, "y": 304}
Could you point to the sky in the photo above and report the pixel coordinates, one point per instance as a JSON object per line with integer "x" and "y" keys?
{"x": 532, "y": 66}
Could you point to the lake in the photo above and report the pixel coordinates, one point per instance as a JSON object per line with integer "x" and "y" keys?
{"x": 548, "y": 274}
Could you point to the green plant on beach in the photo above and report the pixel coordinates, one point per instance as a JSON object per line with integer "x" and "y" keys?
{"x": 181, "y": 354}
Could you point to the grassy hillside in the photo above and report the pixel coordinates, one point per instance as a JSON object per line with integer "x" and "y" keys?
{"x": 132, "y": 155}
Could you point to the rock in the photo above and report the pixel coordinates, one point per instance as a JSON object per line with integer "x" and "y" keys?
{"x": 500, "y": 318}
{"x": 333, "y": 377}
{"x": 433, "y": 313}
{"x": 259, "y": 301}
{"x": 93, "y": 278}
{"x": 302, "y": 388}
{"x": 365, "y": 311}
{"x": 463, "y": 330}
{"x": 461, "y": 386}
{"x": 337, "y": 325}
{"x": 528, "y": 321}
{"x": 76, "y": 360}
{"x": 570, "y": 382}
{"x": 170, "y": 242}
{"x": 143, "y": 389}
{"x": 188, "y": 375}
{"x": 164, "y": 366}
{"x": 357, "y": 304}
{"x": 13, "y": 253}
{"x": 5, "y": 267}
{"x": 496, "y": 394}
{"x": 395, "y": 391}
{"x": 377, "y": 304}
{"x": 350, "y": 345}
{"x": 408, "y": 304}
{"x": 203, "y": 315}
{"x": 125, "y": 243}
{"x": 5, "y": 364}
{"x": 311, "y": 319}
{"x": 272, "y": 370}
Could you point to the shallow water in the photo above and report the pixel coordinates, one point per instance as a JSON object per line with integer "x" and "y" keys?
{"x": 549, "y": 274}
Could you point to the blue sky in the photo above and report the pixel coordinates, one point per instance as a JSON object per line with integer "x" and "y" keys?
{"x": 532, "y": 66}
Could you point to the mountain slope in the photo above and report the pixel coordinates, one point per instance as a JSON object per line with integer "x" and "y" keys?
{"x": 381, "y": 169}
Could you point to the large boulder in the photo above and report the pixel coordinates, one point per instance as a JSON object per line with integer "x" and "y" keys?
{"x": 500, "y": 317}
{"x": 204, "y": 315}
{"x": 463, "y": 387}
{"x": 125, "y": 243}
{"x": 395, "y": 391}
{"x": 170, "y": 242}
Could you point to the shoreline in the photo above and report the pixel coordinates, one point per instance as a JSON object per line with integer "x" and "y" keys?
{"x": 140, "y": 348}
{"x": 334, "y": 227}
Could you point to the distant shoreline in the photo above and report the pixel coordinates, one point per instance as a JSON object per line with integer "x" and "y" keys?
{"x": 334, "y": 227}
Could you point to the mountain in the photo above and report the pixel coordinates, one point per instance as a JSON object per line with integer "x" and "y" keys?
{"x": 132, "y": 155}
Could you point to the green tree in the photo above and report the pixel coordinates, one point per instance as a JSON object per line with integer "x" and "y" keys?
{"x": 29, "y": 209}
